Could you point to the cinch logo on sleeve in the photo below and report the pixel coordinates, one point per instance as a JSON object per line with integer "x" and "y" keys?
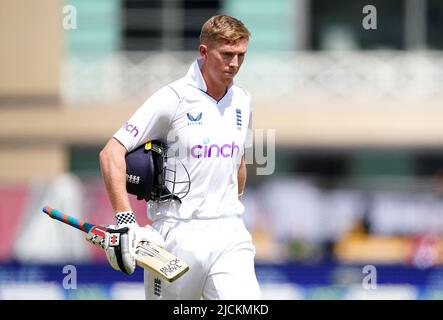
{"x": 131, "y": 129}
{"x": 227, "y": 150}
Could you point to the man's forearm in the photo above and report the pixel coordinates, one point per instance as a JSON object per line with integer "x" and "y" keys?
{"x": 113, "y": 169}
{"x": 241, "y": 177}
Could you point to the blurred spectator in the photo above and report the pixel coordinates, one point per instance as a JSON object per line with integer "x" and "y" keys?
{"x": 426, "y": 251}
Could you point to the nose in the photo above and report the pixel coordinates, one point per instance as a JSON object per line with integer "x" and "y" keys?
{"x": 234, "y": 61}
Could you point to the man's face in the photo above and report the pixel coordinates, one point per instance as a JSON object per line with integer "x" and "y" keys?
{"x": 222, "y": 60}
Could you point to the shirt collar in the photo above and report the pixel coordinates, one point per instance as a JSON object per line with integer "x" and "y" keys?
{"x": 195, "y": 78}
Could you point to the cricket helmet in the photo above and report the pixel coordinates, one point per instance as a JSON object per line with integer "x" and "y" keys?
{"x": 149, "y": 178}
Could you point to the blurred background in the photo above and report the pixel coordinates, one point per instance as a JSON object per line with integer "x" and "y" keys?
{"x": 354, "y": 207}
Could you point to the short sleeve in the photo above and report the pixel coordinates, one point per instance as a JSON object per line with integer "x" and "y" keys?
{"x": 150, "y": 121}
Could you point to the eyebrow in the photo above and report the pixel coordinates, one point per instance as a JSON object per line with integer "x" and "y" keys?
{"x": 233, "y": 51}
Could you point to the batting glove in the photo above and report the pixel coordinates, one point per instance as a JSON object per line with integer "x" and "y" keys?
{"x": 120, "y": 242}
{"x": 136, "y": 233}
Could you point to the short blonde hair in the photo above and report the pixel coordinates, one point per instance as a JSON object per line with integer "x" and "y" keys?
{"x": 223, "y": 27}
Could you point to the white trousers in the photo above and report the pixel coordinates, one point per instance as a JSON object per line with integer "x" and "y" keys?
{"x": 220, "y": 255}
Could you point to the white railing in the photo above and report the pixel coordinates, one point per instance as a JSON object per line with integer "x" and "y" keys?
{"x": 292, "y": 78}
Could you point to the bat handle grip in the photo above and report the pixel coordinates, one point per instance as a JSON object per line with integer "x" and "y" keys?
{"x": 63, "y": 217}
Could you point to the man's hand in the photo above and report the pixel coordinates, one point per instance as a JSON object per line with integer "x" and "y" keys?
{"x": 121, "y": 241}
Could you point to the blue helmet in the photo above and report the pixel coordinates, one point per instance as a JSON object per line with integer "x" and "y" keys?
{"x": 146, "y": 173}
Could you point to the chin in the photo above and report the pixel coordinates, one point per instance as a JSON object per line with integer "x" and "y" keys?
{"x": 228, "y": 79}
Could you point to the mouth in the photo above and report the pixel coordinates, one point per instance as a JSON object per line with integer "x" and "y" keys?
{"x": 230, "y": 73}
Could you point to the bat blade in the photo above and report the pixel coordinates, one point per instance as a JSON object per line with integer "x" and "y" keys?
{"x": 148, "y": 255}
{"x": 161, "y": 261}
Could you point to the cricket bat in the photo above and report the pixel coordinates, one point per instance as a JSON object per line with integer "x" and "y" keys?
{"x": 149, "y": 255}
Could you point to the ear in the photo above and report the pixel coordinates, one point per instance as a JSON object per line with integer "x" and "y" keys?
{"x": 203, "y": 49}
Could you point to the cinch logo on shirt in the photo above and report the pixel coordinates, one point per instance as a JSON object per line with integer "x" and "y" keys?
{"x": 131, "y": 129}
{"x": 214, "y": 150}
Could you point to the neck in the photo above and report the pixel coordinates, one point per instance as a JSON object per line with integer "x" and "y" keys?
{"x": 214, "y": 89}
{"x": 217, "y": 93}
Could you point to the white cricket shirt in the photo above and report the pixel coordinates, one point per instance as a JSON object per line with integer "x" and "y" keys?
{"x": 207, "y": 136}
